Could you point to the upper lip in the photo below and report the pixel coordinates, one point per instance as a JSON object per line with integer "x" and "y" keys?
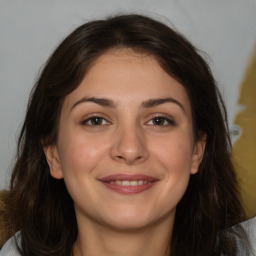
{"x": 129, "y": 177}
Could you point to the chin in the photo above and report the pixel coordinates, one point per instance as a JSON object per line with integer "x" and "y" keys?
{"x": 134, "y": 220}
{"x": 128, "y": 224}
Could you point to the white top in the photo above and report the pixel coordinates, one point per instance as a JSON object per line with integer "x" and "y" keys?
{"x": 9, "y": 249}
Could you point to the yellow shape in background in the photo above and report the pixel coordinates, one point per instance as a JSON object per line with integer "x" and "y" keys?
{"x": 244, "y": 149}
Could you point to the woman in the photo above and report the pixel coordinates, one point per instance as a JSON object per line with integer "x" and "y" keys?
{"x": 125, "y": 150}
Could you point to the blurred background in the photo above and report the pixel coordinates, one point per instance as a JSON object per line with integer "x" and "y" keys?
{"x": 225, "y": 32}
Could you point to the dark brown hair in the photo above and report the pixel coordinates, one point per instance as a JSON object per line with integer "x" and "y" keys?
{"x": 40, "y": 206}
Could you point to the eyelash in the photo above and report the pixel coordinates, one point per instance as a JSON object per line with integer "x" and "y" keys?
{"x": 169, "y": 121}
{"x": 85, "y": 122}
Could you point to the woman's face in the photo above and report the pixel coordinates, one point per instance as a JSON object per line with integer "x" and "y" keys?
{"x": 125, "y": 145}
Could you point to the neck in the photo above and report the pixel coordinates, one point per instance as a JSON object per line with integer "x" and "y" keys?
{"x": 96, "y": 240}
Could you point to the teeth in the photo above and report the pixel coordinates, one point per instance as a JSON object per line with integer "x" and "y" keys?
{"x": 129, "y": 183}
{"x": 125, "y": 183}
{"x": 134, "y": 183}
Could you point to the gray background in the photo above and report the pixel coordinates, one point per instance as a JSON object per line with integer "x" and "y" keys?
{"x": 31, "y": 29}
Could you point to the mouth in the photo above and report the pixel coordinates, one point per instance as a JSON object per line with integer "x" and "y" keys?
{"x": 129, "y": 184}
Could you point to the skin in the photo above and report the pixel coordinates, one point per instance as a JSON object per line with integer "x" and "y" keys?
{"x": 128, "y": 140}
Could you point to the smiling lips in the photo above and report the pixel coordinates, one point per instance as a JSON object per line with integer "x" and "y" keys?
{"x": 129, "y": 184}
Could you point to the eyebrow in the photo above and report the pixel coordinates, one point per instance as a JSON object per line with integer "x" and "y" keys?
{"x": 100, "y": 101}
{"x": 155, "y": 102}
{"x": 104, "y": 102}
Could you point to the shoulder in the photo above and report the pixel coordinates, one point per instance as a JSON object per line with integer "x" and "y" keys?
{"x": 249, "y": 227}
{"x": 10, "y": 248}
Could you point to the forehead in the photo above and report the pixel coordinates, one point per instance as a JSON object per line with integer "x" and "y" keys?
{"x": 126, "y": 75}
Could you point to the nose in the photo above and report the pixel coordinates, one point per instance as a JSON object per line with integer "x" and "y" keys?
{"x": 129, "y": 146}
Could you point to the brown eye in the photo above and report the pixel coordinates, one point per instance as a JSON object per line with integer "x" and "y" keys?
{"x": 161, "y": 121}
{"x": 95, "y": 121}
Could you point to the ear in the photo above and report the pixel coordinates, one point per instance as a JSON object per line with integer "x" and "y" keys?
{"x": 53, "y": 160}
{"x": 198, "y": 153}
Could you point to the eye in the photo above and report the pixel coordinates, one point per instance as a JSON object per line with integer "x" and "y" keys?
{"x": 95, "y": 121}
{"x": 161, "y": 121}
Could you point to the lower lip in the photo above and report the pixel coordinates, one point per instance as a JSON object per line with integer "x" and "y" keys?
{"x": 129, "y": 189}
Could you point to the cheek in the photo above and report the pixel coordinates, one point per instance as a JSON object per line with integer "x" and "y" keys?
{"x": 80, "y": 154}
{"x": 174, "y": 156}
{"x": 174, "y": 153}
